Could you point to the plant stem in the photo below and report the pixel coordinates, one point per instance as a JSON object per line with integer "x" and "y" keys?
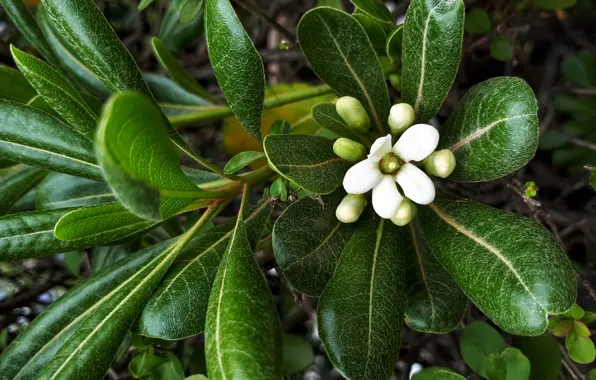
{"x": 209, "y": 113}
{"x": 252, "y": 8}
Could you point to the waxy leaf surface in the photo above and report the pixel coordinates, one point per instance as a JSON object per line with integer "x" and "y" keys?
{"x": 62, "y": 190}
{"x": 360, "y": 313}
{"x": 432, "y": 43}
{"x": 511, "y": 267}
{"x": 308, "y": 161}
{"x": 242, "y": 336}
{"x": 14, "y": 86}
{"x": 340, "y": 53}
{"x": 242, "y": 79}
{"x": 493, "y": 131}
{"x": 434, "y": 301}
{"x": 15, "y": 185}
{"x": 308, "y": 241}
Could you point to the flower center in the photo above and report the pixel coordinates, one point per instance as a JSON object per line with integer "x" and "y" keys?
{"x": 389, "y": 163}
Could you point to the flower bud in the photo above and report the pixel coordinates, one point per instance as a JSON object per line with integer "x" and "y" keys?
{"x": 440, "y": 163}
{"x": 401, "y": 118}
{"x": 405, "y": 213}
{"x": 349, "y": 150}
{"x": 350, "y": 208}
{"x": 353, "y": 113}
{"x": 395, "y": 80}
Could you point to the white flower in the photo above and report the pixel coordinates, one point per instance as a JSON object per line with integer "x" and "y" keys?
{"x": 387, "y": 165}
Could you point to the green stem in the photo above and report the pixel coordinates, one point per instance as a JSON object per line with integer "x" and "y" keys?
{"x": 210, "y": 113}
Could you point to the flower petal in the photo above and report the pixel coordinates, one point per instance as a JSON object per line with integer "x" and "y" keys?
{"x": 380, "y": 147}
{"x": 416, "y": 185}
{"x": 417, "y": 143}
{"x": 362, "y": 177}
{"x": 386, "y": 198}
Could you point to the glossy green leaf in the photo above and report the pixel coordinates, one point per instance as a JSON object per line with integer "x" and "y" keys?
{"x": 308, "y": 161}
{"x": 191, "y": 10}
{"x": 36, "y": 138}
{"x": 38, "y": 344}
{"x": 138, "y": 160}
{"x": 15, "y": 185}
{"x": 493, "y": 131}
{"x": 477, "y": 22}
{"x": 175, "y": 34}
{"x": 327, "y": 117}
{"x": 63, "y": 190}
{"x": 544, "y": 354}
{"x": 92, "y": 347}
{"x": 394, "y": 45}
{"x": 57, "y": 92}
{"x": 349, "y": 65}
{"x": 511, "y": 364}
{"x": 512, "y": 268}
{"x": 14, "y": 86}
{"x": 478, "y": 341}
{"x": 437, "y": 373}
{"x": 432, "y": 44}
{"x": 280, "y": 127}
{"x": 374, "y": 9}
{"x": 434, "y": 301}
{"x": 360, "y": 312}
{"x": 178, "y": 307}
{"x": 555, "y": 4}
{"x": 241, "y": 160}
{"x": 580, "y": 349}
{"x": 308, "y": 241}
{"x": 241, "y": 79}
{"x": 297, "y": 353}
{"x": 24, "y": 20}
{"x": 279, "y": 190}
{"x": 374, "y": 30}
{"x": 169, "y": 94}
{"x": 169, "y": 63}
{"x": 72, "y": 260}
{"x": 242, "y": 335}
{"x": 500, "y": 49}
{"x": 104, "y": 256}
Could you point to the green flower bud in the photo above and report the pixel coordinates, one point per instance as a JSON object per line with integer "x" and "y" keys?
{"x": 353, "y": 113}
{"x": 405, "y": 213}
{"x": 395, "y": 80}
{"x": 401, "y": 118}
{"x": 350, "y": 208}
{"x": 440, "y": 163}
{"x": 349, "y": 150}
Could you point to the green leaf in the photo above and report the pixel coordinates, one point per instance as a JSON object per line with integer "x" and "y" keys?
{"x": 308, "y": 161}
{"x": 63, "y": 190}
{"x": 575, "y": 312}
{"x": 278, "y": 189}
{"x": 327, "y": 117}
{"x": 394, "y": 45}
{"x": 478, "y": 341}
{"x": 348, "y": 64}
{"x": 512, "y": 268}
{"x": 544, "y": 355}
{"x": 330, "y": 3}
{"x": 374, "y": 30}
{"x": 308, "y": 241}
{"x": 175, "y": 34}
{"x": 580, "y": 349}
{"x": 434, "y": 301}
{"x": 374, "y": 9}
{"x": 137, "y": 158}
{"x": 169, "y": 63}
{"x": 511, "y": 364}
{"x": 178, "y": 307}
{"x": 170, "y": 95}
{"x": 104, "y": 256}
{"x": 589, "y": 317}
{"x": 360, "y": 313}
{"x": 17, "y": 183}
{"x": 24, "y": 20}
{"x": 38, "y": 344}
{"x": 241, "y": 160}
{"x": 191, "y": 10}
{"x": 57, "y": 92}
{"x": 580, "y": 69}
{"x": 500, "y": 49}
{"x": 297, "y": 352}
{"x": 144, "y": 4}
{"x": 72, "y": 260}
{"x": 555, "y": 4}
{"x": 14, "y": 86}
{"x": 242, "y": 335}
{"x": 493, "y": 130}
{"x": 36, "y": 138}
{"x": 241, "y": 79}
{"x": 437, "y": 373}
{"x": 432, "y": 43}
{"x": 280, "y": 127}
{"x": 477, "y": 22}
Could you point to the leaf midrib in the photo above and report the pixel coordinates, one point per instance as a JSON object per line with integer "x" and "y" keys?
{"x": 482, "y": 131}
{"x": 422, "y": 270}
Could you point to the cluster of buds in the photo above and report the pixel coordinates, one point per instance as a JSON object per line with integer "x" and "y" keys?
{"x": 405, "y": 163}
